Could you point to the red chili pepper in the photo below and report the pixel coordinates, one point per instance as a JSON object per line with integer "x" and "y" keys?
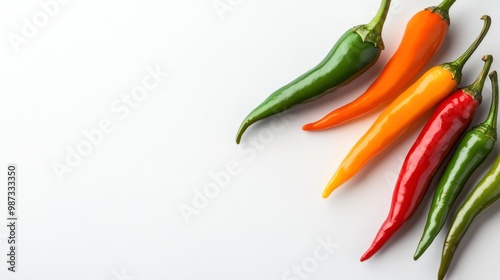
{"x": 449, "y": 121}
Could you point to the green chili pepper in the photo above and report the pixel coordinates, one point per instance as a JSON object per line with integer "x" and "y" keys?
{"x": 482, "y": 196}
{"x": 472, "y": 150}
{"x": 356, "y": 51}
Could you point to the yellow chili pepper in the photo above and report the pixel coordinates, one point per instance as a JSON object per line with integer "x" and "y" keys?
{"x": 415, "y": 101}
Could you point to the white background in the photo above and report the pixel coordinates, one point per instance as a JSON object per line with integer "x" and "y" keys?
{"x": 116, "y": 215}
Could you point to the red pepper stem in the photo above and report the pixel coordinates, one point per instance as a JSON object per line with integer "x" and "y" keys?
{"x": 476, "y": 88}
{"x": 491, "y": 120}
{"x": 446, "y": 4}
{"x": 457, "y": 66}
{"x": 372, "y": 32}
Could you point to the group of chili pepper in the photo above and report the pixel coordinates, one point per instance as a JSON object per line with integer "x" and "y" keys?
{"x": 356, "y": 51}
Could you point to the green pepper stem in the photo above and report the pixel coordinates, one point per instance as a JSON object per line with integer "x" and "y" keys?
{"x": 446, "y": 4}
{"x": 377, "y": 23}
{"x": 476, "y": 88}
{"x": 372, "y": 32}
{"x": 491, "y": 120}
{"x": 457, "y": 66}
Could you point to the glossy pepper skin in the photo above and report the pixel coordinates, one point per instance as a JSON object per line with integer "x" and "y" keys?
{"x": 410, "y": 105}
{"x": 445, "y": 127}
{"x": 486, "y": 192}
{"x": 354, "y": 53}
{"x": 471, "y": 151}
{"x": 424, "y": 35}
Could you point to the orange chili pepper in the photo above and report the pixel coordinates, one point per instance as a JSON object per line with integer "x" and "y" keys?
{"x": 420, "y": 97}
{"x": 424, "y": 35}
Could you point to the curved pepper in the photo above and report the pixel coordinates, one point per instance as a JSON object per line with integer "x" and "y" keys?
{"x": 445, "y": 127}
{"x": 486, "y": 192}
{"x": 419, "y": 98}
{"x": 424, "y": 35}
{"x": 356, "y": 51}
{"x": 472, "y": 150}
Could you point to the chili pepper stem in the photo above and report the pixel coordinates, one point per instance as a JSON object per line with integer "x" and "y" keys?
{"x": 476, "y": 88}
{"x": 446, "y": 4}
{"x": 457, "y": 66}
{"x": 377, "y": 23}
{"x": 372, "y": 32}
{"x": 491, "y": 120}
{"x": 443, "y": 10}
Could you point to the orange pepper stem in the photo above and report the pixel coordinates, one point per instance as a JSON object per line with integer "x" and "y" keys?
{"x": 446, "y": 4}
{"x": 457, "y": 66}
{"x": 443, "y": 10}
